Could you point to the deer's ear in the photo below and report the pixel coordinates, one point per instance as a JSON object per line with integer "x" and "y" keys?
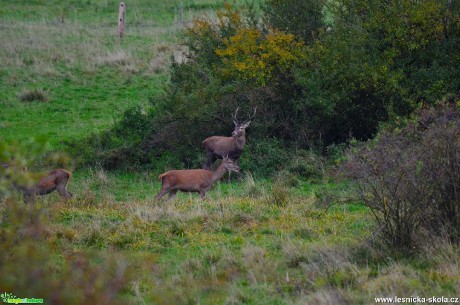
{"x": 246, "y": 124}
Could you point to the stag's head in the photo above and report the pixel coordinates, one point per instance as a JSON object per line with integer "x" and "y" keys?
{"x": 240, "y": 128}
{"x": 230, "y": 165}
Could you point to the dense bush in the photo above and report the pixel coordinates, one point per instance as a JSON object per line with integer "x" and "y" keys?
{"x": 304, "y": 19}
{"x": 410, "y": 177}
{"x": 316, "y": 81}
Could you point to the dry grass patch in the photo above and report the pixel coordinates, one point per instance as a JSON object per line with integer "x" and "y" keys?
{"x": 33, "y": 95}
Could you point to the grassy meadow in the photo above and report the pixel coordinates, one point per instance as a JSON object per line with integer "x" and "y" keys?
{"x": 65, "y": 74}
{"x": 64, "y": 71}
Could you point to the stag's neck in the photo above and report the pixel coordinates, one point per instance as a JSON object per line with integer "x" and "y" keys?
{"x": 240, "y": 141}
{"x": 218, "y": 173}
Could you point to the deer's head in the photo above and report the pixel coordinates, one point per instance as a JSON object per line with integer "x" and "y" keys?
{"x": 240, "y": 128}
{"x": 230, "y": 165}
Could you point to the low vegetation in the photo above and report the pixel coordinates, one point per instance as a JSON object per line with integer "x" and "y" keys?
{"x": 231, "y": 249}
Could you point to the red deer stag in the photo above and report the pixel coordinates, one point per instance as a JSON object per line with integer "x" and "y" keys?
{"x": 55, "y": 180}
{"x": 217, "y": 147}
{"x": 193, "y": 180}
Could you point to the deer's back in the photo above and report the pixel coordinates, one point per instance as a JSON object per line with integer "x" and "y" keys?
{"x": 54, "y": 177}
{"x": 219, "y": 145}
{"x": 187, "y": 180}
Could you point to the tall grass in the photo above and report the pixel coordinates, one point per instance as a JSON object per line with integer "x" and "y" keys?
{"x": 229, "y": 249}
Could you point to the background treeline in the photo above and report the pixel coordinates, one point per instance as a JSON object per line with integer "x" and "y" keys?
{"x": 320, "y": 73}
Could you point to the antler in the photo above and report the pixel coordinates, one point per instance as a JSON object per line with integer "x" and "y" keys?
{"x": 235, "y": 120}
{"x": 252, "y": 116}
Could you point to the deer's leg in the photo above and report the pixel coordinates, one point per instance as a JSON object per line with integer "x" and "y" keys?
{"x": 172, "y": 194}
{"x": 238, "y": 174}
{"x": 210, "y": 158}
{"x": 160, "y": 194}
{"x": 203, "y": 194}
{"x": 230, "y": 172}
{"x": 62, "y": 191}
{"x": 29, "y": 198}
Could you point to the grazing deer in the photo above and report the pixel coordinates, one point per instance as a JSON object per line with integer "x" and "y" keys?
{"x": 55, "y": 180}
{"x": 218, "y": 147}
{"x": 193, "y": 180}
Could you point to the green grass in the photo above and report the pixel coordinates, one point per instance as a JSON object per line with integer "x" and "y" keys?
{"x": 70, "y": 51}
{"x": 229, "y": 249}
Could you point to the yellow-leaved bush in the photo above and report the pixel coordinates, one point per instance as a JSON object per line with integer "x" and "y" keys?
{"x": 253, "y": 55}
{"x": 242, "y": 50}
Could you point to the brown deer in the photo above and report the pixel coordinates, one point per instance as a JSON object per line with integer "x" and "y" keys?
{"x": 55, "y": 180}
{"x": 217, "y": 147}
{"x": 193, "y": 180}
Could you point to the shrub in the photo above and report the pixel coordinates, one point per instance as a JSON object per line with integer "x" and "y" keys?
{"x": 120, "y": 146}
{"x": 301, "y": 18}
{"x": 410, "y": 177}
{"x": 33, "y": 95}
{"x": 307, "y": 164}
{"x": 251, "y": 189}
{"x": 264, "y": 157}
{"x": 280, "y": 193}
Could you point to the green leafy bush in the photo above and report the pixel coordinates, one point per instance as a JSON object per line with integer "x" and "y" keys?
{"x": 304, "y": 19}
{"x": 314, "y": 85}
{"x": 120, "y": 146}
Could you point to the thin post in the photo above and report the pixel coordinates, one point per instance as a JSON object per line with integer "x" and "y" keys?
{"x": 181, "y": 10}
{"x": 121, "y": 19}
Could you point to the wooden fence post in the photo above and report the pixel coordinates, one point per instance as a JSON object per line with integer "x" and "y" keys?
{"x": 121, "y": 19}
{"x": 181, "y": 10}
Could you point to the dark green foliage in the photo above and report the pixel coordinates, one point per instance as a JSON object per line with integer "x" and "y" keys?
{"x": 377, "y": 60}
{"x": 302, "y": 18}
{"x": 264, "y": 157}
{"x": 119, "y": 146}
{"x": 410, "y": 178}
{"x": 373, "y": 62}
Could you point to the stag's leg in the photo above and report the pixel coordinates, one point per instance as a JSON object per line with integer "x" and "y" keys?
{"x": 210, "y": 158}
